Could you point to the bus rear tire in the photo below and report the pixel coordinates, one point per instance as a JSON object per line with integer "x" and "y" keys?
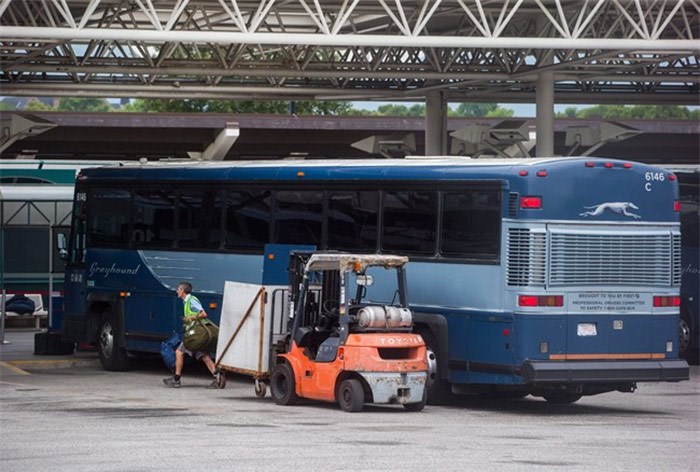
{"x": 418, "y": 406}
{"x": 686, "y": 336}
{"x": 562, "y": 398}
{"x": 109, "y": 345}
{"x": 439, "y": 392}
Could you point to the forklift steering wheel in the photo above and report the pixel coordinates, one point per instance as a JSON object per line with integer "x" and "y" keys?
{"x": 330, "y": 307}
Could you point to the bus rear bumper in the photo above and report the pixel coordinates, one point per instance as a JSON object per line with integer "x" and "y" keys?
{"x": 538, "y": 372}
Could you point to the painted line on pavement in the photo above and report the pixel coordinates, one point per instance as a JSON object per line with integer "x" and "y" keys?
{"x": 14, "y": 369}
{"x": 51, "y": 364}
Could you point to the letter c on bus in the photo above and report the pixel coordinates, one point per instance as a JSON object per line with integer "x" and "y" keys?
{"x": 647, "y": 186}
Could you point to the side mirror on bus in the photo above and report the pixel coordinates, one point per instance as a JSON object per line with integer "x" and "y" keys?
{"x": 62, "y": 246}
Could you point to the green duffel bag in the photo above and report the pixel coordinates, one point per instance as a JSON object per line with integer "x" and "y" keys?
{"x": 201, "y": 335}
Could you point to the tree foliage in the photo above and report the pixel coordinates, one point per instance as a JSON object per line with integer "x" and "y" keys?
{"x": 634, "y": 112}
{"x": 36, "y": 105}
{"x": 83, "y": 104}
{"x": 311, "y": 107}
{"x": 342, "y": 108}
{"x": 479, "y": 110}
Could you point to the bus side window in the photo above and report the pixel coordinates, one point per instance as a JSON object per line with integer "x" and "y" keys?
{"x": 410, "y": 221}
{"x": 199, "y": 219}
{"x": 352, "y": 220}
{"x": 298, "y": 217}
{"x": 248, "y": 217}
{"x": 471, "y": 224}
{"x": 109, "y": 217}
{"x": 154, "y": 218}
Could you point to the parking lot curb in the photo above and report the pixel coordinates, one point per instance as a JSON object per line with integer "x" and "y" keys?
{"x": 49, "y": 364}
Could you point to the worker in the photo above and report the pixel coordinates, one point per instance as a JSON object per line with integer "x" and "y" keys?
{"x": 193, "y": 310}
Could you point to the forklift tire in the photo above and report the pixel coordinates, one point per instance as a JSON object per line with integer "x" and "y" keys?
{"x": 282, "y": 386}
{"x": 418, "y": 406}
{"x": 351, "y": 396}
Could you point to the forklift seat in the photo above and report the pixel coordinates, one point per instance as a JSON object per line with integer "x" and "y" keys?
{"x": 310, "y": 338}
{"x": 328, "y": 350}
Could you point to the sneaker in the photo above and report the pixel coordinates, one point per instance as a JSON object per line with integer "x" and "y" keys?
{"x": 218, "y": 383}
{"x": 171, "y": 382}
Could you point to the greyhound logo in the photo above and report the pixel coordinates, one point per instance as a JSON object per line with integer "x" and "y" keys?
{"x": 621, "y": 208}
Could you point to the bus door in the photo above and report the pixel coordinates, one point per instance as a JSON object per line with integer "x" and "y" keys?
{"x": 75, "y": 280}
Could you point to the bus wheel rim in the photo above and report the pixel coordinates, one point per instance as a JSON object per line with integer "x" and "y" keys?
{"x": 107, "y": 339}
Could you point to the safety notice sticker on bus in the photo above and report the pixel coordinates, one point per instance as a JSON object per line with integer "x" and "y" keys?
{"x": 609, "y": 302}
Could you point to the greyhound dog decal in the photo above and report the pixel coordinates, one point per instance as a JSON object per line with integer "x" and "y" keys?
{"x": 621, "y": 208}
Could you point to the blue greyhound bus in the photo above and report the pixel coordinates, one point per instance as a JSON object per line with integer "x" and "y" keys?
{"x": 551, "y": 277}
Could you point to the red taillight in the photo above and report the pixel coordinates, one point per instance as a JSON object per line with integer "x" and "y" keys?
{"x": 676, "y": 206}
{"x": 627, "y": 165}
{"x": 531, "y": 202}
{"x": 527, "y": 300}
{"x": 662, "y": 301}
{"x": 541, "y": 300}
{"x": 671, "y": 176}
{"x": 590, "y": 164}
{"x": 541, "y": 173}
{"x": 523, "y": 173}
{"x": 608, "y": 165}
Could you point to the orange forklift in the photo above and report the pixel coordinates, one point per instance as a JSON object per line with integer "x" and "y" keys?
{"x": 349, "y": 348}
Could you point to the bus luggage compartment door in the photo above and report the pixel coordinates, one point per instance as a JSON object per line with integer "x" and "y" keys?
{"x": 621, "y": 336}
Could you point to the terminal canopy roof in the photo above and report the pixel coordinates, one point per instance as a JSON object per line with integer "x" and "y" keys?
{"x": 602, "y": 51}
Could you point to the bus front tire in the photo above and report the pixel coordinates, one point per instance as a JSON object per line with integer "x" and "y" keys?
{"x": 109, "y": 345}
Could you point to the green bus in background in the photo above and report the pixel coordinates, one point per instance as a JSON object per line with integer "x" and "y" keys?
{"x": 35, "y": 201}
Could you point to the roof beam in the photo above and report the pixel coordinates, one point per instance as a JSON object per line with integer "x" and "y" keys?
{"x": 224, "y": 37}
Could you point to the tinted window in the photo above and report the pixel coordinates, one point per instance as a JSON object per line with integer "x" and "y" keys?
{"x": 199, "y": 219}
{"x": 471, "y": 224}
{"x": 248, "y": 218}
{"x": 109, "y": 217}
{"x": 352, "y": 220}
{"x": 410, "y": 222}
{"x": 154, "y": 218}
{"x": 298, "y": 217}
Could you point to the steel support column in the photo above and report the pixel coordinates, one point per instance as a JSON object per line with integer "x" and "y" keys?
{"x": 435, "y": 124}
{"x": 545, "y": 114}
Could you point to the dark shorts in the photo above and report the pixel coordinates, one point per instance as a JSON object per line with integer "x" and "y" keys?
{"x": 197, "y": 354}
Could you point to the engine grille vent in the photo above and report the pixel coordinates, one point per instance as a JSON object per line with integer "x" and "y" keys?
{"x": 614, "y": 259}
{"x": 527, "y": 257}
{"x": 565, "y": 257}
